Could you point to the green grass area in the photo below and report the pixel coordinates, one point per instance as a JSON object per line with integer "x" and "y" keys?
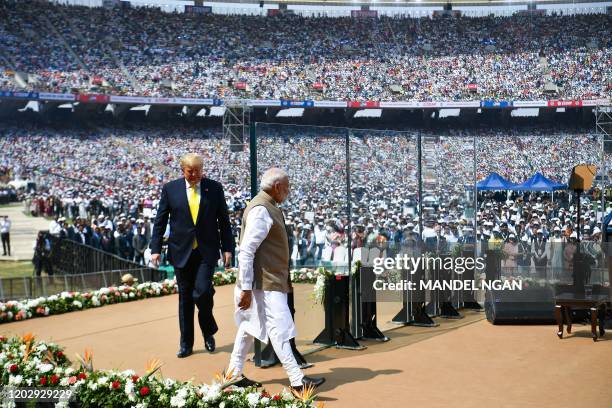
{"x": 12, "y": 269}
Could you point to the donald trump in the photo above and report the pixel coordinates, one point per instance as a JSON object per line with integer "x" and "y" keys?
{"x": 199, "y": 231}
{"x": 263, "y": 282}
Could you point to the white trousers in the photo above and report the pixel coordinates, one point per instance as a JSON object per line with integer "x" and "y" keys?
{"x": 275, "y": 321}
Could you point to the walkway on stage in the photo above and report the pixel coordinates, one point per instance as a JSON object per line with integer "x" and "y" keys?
{"x": 462, "y": 363}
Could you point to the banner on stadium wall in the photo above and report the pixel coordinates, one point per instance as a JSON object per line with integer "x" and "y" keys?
{"x": 164, "y": 101}
{"x": 130, "y": 99}
{"x": 19, "y": 95}
{"x": 93, "y": 98}
{"x": 198, "y": 9}
{"x": 260, "y": 102}
{"x": 467, "y": 104}
{"x": 429, "y": 104}
{"x": 496, "y": 104}
{"x": 368, "y": 104}
{"x": 364, "y": 13}
{"x": 330, "y": 104}
{"x": 399, "y": 105}
{"x": 181, "y": 101}
{"x": 562, "y": 104}
{"x": 530, "y": 104}
{"x": 595, "y": 102}
{"x": 296, "y": 104}
{"x": 48, "y": 96}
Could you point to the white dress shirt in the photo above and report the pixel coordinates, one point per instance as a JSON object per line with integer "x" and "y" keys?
{"x": 5, "y": 226}
{"x": 258, "y": 227}
{"x": 254, "y": 318}
{"x": 197, "y": 189}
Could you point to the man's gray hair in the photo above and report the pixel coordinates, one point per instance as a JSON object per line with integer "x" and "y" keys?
{"x": 272, "y": 176}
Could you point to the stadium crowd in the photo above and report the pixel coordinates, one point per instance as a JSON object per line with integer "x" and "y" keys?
{"x": 101, "y": 185}
{"x": 147, "y": 52}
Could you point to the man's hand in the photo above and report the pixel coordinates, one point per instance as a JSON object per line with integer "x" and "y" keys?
{"x": 245, "y": 299}
{"x": 155, "y": 258}
{"x": 227, "y": 259}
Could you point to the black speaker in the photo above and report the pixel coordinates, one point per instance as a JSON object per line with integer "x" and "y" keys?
{"x": 261, "y": 4}
{"x": 530, "y": 305}
{"x": 448, "y": 6}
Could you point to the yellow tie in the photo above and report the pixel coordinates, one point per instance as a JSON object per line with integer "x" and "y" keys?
{"x": 194, "y": 207}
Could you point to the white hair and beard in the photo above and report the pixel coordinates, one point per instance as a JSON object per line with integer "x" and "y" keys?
{"x": 271, "y": 177}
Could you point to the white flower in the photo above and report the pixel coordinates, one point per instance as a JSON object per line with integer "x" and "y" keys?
{"x": 182, "y": 392}
{"x": 15, "y": 380}
{"x": 129, "y": 390}
{"x": 78, "y": 304}
{"x": 253, "y": 399}
{"x": 177, "y": 401}
{"x": 45, "y": 368}
{"x": 102, "y": 380}
{"x": 95, "y": 301}
{"x": 52, "y": 298}
{"x": 210, "y": 393}
{"x": 264, "y": 401}
{"x": 132, "y": 295}
{"x": 286, "y": 395}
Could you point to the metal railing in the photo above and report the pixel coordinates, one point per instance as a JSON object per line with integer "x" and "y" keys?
{"x": 70, "y": 257}
{"x": 30, "y": 287}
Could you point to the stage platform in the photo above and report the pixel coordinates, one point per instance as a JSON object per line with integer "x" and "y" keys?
{"x": 461, "y": 363}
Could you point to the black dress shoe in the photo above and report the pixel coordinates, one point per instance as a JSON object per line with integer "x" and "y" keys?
{"x": 182, "y": 353}
{"x": 209, "y": 343}
{"x": 245, "y": 382}
{"x": 309, "y": 382}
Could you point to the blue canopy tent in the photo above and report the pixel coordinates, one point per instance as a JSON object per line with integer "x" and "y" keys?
{"x": 494, "y": 182}
{"x": 538, "y": 183}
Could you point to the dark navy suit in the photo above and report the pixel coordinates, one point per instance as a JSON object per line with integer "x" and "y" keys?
{"x": 193, "y": 268}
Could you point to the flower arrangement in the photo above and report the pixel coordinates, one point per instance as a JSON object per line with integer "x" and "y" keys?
{"x": 304, "y": 275}
{"x": 64, "y": 302}
{"x": 72, "y": 301}
{"x": 321, "y": 282}
{"x": 28, "y": 363}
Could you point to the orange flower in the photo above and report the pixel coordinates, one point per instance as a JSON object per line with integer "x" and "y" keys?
{"x": 87, "y": 360}
{"x": 153, "y": 365}
{"x": 306, "y": 395}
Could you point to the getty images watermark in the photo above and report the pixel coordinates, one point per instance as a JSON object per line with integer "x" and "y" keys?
{"x": 407, "y": 273}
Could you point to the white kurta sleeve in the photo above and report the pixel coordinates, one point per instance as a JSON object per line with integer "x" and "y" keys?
{"x": 258, "y": 225}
